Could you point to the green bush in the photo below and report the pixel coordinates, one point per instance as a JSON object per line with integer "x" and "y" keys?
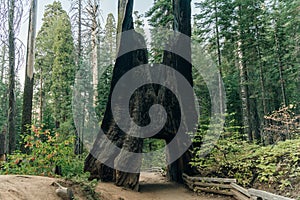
{"x": 250, "y": 163}
{"x": 47, "y": 150}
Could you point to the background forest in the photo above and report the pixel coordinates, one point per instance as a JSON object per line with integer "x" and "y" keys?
{"x": 254, "y": 43}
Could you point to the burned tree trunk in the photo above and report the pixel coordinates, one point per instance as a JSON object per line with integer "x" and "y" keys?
{"x": 182, "y": 24}
{"x": 102, "y": 158}
{"x": 110, "y": 128}
{"x": 113, "y": 132}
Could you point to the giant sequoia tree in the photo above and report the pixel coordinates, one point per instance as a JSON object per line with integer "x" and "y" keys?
{"x": 101, "y": 161}
{"x": 55, "y": 67}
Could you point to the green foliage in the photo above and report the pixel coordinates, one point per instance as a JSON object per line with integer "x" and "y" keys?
{"x": 107, "y": 61}
{"x": 139, "y": 23}
{"x": 160, "y": 17}
{"x": 269, "y": 36}
{"x": 55, "y": 67}
{"x": 63, "y": 70}
{"x": 153, "y": 160}
{"x": 250, "y": 163}
{"x": 47, "y": 150}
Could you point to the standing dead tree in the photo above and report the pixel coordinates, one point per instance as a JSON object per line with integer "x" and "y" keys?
{"x": 11, "y": 14}
{"x": 28, "y": 86}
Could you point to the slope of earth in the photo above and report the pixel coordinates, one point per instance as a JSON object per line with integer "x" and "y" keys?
{"x": 33, "y": 188}
{"x": 153, "y": 187}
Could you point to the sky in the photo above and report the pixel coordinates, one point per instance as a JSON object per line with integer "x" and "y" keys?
{"x": 106, "y": 6}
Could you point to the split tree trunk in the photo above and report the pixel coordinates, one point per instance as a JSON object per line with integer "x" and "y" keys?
{"x": 141, "y": 101}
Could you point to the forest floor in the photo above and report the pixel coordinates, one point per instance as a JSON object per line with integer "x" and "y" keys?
{"x": 153, "y": 187}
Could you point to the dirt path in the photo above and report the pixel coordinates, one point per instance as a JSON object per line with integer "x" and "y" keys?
{"x": 153, "y": 187}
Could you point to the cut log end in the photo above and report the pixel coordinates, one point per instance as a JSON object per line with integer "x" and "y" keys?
{"x": 63, "y": 192}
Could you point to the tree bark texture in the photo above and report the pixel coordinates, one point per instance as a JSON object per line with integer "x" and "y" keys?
{"x": 2, "y": 143}
{"x": 12, "y": 100}
{"x": 182, "y": 24}
{"x": 28, "y": 86}
{"x": 110, "y": 128}
{"x": 244, "y": 89}
{"x": 3, "y": 63}
{"x": 142, "y": 100}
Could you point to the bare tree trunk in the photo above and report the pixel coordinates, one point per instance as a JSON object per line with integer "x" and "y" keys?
{"x": 3, "y": 63}
{"x": 41, "y": 98}
{"x": 279, "y": 55}
{"x": 262, "y": 85}
{"x": 2, "y": 144}
{"x": 261, "y": 71}
{"x": 244, "y": 95}
{"x": 255, "y": 122}
{"x": 79, "y": 38}
{"x": 12, "y": 101}
{"x": 93, "y": 11}
{"x": 219, "y": 54}
{"x": 28, "y": 86}
{"x": 280, "y": 68}
{"x": 78, "y": 144}
{"x": 244, "y": 89}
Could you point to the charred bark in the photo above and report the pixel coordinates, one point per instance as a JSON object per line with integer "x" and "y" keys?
{"x": 123, "y": 64}
{"x": 182, "y": 24}
{"x": 141, "y": 101}
{"x": 113, "y": 132}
